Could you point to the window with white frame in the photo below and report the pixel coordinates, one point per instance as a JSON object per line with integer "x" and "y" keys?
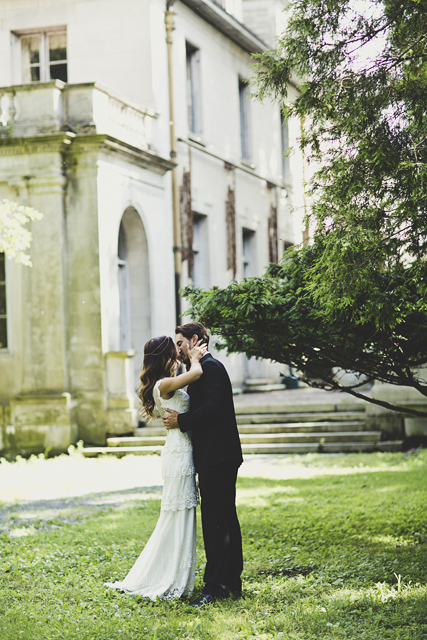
{"x": 244, "y": 119}
{"x": 44, "y": 56}
{"x": 248, "y": 253}
{"x": 193, "y": 89}
{"x": 3, "y": 309}
{"x": 200, "y": 251}
{"x": 285, "y": 147}
{"x": 124, "y": 291}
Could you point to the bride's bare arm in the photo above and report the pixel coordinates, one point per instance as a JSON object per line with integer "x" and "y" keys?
{"x": 168, "y": 386}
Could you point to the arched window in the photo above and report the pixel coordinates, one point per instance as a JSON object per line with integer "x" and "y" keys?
{"x": 125, "y": 313}
{"x": 134, "y": 286}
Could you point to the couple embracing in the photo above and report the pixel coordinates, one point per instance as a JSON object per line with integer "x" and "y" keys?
{"x": 202, "y": 438}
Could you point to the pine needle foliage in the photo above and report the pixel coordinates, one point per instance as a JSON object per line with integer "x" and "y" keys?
{"x": 355, "y": 299}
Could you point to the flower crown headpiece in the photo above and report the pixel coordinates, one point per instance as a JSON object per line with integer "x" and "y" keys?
{"x": 156, "y": 351}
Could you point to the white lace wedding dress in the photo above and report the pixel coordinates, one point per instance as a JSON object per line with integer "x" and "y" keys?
{"x": 167, "y": 565}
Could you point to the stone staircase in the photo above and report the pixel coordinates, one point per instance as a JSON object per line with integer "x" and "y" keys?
{"x": 275, "y": 428}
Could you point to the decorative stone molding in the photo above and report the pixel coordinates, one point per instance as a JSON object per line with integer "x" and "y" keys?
{"x": 14, "y": 146}
{"x": 107, "y": 144}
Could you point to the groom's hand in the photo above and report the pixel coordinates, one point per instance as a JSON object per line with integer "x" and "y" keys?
{"x": 170, "y": 419}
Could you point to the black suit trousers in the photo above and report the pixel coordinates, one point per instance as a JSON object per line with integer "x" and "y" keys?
{"x": 221, "y": 529}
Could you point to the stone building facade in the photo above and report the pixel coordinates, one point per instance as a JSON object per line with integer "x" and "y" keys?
{"x": 85, "y": 139}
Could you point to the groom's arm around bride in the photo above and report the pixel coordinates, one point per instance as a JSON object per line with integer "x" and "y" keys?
{"x": 211, "y": 418}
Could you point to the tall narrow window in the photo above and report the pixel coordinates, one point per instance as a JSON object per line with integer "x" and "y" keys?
{"x": 285, "y": 147}
{"x": 57, "y": 48}
{"x": 44, "y": 56}
{"x": 244, "y": 119}
{"x": 31, "y": 71}
{"x": 193, "y": 89}
{"x": 200, "y": 251}
{"x": 124, "y": 292}
{"x": 248, "y": 237}
{"x": 3, "y": 310}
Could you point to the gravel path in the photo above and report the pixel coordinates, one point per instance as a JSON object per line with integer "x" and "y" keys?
{"x": 32, "y": 516}
{"x": 39, "y": 494}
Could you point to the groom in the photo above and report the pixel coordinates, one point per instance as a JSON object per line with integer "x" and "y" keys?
{"x": 217, "y": 457}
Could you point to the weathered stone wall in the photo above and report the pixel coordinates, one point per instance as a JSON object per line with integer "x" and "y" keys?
{"x": 63, "y": 378}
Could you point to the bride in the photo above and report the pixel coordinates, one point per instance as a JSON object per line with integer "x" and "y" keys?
{"x": 166, "y": 567}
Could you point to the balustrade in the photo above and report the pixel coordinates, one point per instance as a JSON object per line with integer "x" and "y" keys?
{"x": 51, "y": 107}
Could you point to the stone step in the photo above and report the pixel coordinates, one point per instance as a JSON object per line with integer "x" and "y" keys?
{"x": 256, "y": 437}
{"x": 263, "y": 388}
{"x": 269, "y": 427}
{"x": 149, "y": 440}
{"x": 264, "y": 449}
{"x": 303, "y": 427}
{"x": 311, "y": 447}
{"x": 300, "y": 407}
{"x": 264, "y": 418}
{"x": 296, "y": 412}
{"x": 280, "y": 438}
{"x": 142, "y": 432}
{"x": 119, "y": 452}
{"x": 257, "y": 382}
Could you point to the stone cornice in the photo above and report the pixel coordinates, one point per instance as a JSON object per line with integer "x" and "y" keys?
{"x": 70, "y": 143}
{"x": 43, "y": 143}
{"x": 108, "y": 144}
{"x": 227, "y": 24}
{"x": 34, "y": 86}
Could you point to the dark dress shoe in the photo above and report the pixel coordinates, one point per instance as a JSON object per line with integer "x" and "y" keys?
{"x": 203, "y": 599}
{"x": 235, "y": 588}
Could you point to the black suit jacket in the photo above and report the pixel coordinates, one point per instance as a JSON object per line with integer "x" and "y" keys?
{"x": 211, "y": 417}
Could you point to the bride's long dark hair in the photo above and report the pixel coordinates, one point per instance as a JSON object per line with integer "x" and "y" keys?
{"x": 160, "y": 359}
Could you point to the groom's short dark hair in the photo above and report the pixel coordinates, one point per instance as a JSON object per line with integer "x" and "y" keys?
{"x": 193, "y": 329}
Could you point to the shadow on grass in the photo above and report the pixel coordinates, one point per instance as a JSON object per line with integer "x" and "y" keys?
{"x": 365, "y": 527}
{"x": 28, "y": 517}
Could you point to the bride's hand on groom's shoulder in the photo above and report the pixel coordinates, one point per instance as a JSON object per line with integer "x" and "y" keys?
{"x": 198, "y": 351}
{"x": 170, "y": 419}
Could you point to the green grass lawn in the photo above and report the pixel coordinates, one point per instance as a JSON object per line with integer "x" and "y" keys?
{"x": 341, "y": 554}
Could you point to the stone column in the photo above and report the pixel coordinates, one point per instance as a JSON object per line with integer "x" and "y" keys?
{"x": 86, "y": 359}
{"x": 39, "y": 416}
